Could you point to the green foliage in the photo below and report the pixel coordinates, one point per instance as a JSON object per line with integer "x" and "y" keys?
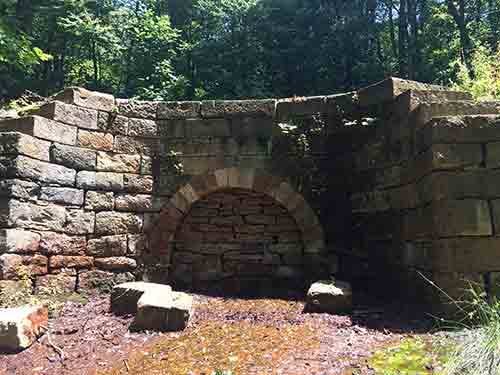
{"x": 486, "y": 83}
{"x": 479, "y": 353}
{"x": 412, "y": 356}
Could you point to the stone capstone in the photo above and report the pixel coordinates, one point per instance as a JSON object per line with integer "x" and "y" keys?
{"x": 86, "y": 98}
{"x": 163, "y": 312}
{"x": 21, "y": 326}
{"x": 328, "y": 296}
{"x": 156, "y": 306}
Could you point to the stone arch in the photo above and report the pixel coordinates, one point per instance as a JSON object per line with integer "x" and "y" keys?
{"x": 162, "y": 233}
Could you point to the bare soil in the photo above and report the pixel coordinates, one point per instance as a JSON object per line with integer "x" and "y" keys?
{"x": 263, "y": 336}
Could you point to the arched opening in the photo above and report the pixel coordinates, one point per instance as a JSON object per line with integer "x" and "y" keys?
{"x": 207, "y": 237}
{"x": 237, "y": 241}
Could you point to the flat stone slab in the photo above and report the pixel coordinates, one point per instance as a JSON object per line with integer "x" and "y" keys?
{"x": 21, "y": 326}
{"x": 327, "y": 296}
{"x": 158, "y": 312}
{"x": 124, "y": 297}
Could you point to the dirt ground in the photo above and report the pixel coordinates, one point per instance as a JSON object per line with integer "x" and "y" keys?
{"x": 264, "y": 336}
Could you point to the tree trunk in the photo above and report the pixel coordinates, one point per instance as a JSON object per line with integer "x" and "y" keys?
{"x": 403, "y": 39}
{"x": 458, "y": 14}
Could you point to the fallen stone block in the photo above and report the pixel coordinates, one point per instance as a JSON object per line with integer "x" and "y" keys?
{"x": 124, "y": 297}
{"x": 328, "y": 296}
{"x": 21, "y": 326}
{"x": 158, "y": 311}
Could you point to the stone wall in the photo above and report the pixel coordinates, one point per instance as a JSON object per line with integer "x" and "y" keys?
{"x": 202, "y": 194}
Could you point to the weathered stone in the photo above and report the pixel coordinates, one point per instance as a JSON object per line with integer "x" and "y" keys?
{"x": 10, "y": 265}
{"x": 60, "y": 244}
{"x": 97, "y": 281}
{"x": 29, "y": 215}
{"x": 18, "y": 241}
{"x": 95, "y": 140}
{"x": 136, "y": 244}
{"x": 135, "y": 203}
{"x": 70, "y": 114}
{"x": 146, "y": 165}
{"x": 88, "y": 99}
{"x": 73, "y": 157}
{"x": 328, "y": 296}
{"x": 99, "y": 201}
{"x": 300, "y": 106}
{"x": 118, "y": 162}
{"x": 467, "y": 217}
{"x": 159, "y": 311}
{"x": 78, "y": 262}
{"x": 21, "y": 326}
{"x": 253, "y": 127}
{"x": 134, "y": 145}
{"x": 60, "y": 284}
{"x": 99, "y": 181}
{"x": 124, "y": 297}
{"x": 178, "y": 110}
{"x": 265, "y": 107}
{"x": 207, "y": 128}
{"x": 108, "y": 246}
{"x": 116, "y": 263}
{"x": 43, "y": 128}
{"x": 18, "y": 143}
{"x": 118, "y": 223}
{"x": 134, "y": 183}
{"x": 32, "y": 169}
{"x": 142, "y": 128}
{"x": 139, "y": 109}
{"x": 62, "y": 195}
{"x": 79, "y": 222}
{"x": 19, "y": 189}
{"x": 112, "y": 123}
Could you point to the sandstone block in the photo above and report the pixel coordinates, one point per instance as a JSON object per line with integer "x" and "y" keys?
{"x": 79, "y": 222}
{"x": 59, "y": 261}
{"x": 467, "y": 217}
{"x": 67, "y": 196}
{"x": 108, "y": 246}
{"x": 73, "y": 157}
{"x": 142, "y": 128}
{"x": 19, "y": 189}
{"x": 88, "y": 99}
{"x": 112, "y": 123}
{"x": 124, "y": 297}
{"x": 70, "y": 114}
{"x": 118, "y": 223}
{"x": 135, "y": 108}
{"x": 18, "y": 143}
{"x": 95, "y": 140}
{"x": 159, "y": 311}
{"x": 253, "y": 127}
{"x": 134, "y": 183}
{"x": 97, "y": 281}
{"x": 134, "y": 145}
{"x": 52, "y": 243}
{"x": 178, "y": 110}
{"x": 118, "y": 162}
{"x": 18, "y": 241}
{"x": 207, "y": 128}
{"x": 99, "y": 201}
{"x": 29, "y": 215}
{"x": 10, "y": 265}
{"x": 116, "y": 264}
{"x": 21, "y": 326}
{"x": 136, "y": 203}
{"x": 223, "y": 108}
{"x": 260, "y": 219}
{"x": 331, "y": 297}
{"x": 45, "y": 172}
{"x": 136, "y": 244}
{"x": 43, "y": 128}
{"x": 99, "y": 181}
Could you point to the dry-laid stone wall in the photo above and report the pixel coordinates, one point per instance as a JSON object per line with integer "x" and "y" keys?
{"x": 98, "y": 190}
